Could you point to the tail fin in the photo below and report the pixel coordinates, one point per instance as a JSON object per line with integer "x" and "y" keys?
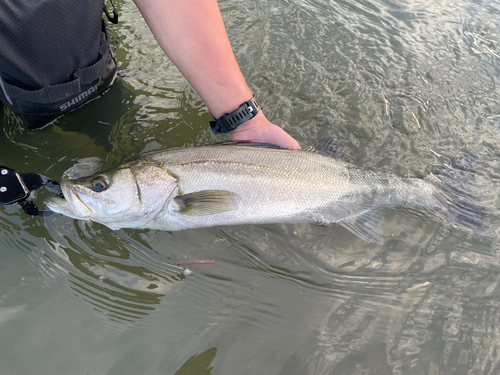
{"x": 459, "y": 193}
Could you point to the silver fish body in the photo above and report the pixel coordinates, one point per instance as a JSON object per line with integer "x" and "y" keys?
{"x": 243, "y": 184}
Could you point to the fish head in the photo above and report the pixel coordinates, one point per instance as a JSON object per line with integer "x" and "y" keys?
{"x": 129, "y": 196}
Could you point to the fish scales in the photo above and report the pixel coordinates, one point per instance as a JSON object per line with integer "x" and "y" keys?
{"x": 264, "y": 179}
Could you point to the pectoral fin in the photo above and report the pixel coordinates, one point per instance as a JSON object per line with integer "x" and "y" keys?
{"x": 207, "y": 202}
{"x": 367, "y": 226}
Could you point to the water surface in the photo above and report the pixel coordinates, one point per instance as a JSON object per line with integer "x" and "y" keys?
{"x": 407, "y": 86}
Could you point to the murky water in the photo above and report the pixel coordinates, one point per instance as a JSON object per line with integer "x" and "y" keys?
{"x": 407, "y": 86}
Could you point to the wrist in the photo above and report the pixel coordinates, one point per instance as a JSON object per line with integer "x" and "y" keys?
{"x": 232, "y": 120}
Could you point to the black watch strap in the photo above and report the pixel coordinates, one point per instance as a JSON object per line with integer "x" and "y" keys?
{"x": 231, "y": 121}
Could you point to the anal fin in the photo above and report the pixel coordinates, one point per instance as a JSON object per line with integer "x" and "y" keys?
{"x": 367, "y": 226}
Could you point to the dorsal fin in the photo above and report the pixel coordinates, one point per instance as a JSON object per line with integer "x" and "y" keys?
{"x": 329, "y": 146}
{"x": 246, "y": 143}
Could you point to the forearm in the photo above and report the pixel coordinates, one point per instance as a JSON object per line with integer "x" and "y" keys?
{"x": 192, "y": 34}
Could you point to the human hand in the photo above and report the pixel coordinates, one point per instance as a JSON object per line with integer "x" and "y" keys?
{"x": 260, "y": 129}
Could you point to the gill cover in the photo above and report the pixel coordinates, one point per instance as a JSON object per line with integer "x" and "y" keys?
{"x": 132, "y": 197}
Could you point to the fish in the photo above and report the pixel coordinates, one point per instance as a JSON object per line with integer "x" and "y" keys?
{"x": 243, "y": 183}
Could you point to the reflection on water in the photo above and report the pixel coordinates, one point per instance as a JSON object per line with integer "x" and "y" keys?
{"x": 198, "y": 364}
{"x": 119, "y": 276}
{"x": 407, "y": 86}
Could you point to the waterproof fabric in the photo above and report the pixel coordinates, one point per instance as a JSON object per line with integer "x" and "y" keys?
{"x": 54, "y": 57}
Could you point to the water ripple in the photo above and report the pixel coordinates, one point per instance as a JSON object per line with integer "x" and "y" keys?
{"x": 121, "y": 278}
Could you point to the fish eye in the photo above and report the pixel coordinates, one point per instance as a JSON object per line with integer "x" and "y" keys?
{"x": 100, "y": 183}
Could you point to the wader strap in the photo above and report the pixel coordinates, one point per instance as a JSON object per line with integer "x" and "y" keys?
{"x": 113, "y": 19}
{"x": 4, "y": 91}
{"x": 57, "y": 93}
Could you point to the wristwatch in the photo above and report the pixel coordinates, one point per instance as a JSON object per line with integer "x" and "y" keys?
{"x": 231, "y": 121}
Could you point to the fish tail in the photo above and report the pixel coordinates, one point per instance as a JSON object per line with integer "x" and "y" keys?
{"x": 456, "y": 194}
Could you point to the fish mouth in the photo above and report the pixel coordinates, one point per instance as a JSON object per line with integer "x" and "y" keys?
{"x": 72, "y": 205}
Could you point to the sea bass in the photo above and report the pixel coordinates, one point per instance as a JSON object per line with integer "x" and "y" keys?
{"x": 250, "y": 183}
